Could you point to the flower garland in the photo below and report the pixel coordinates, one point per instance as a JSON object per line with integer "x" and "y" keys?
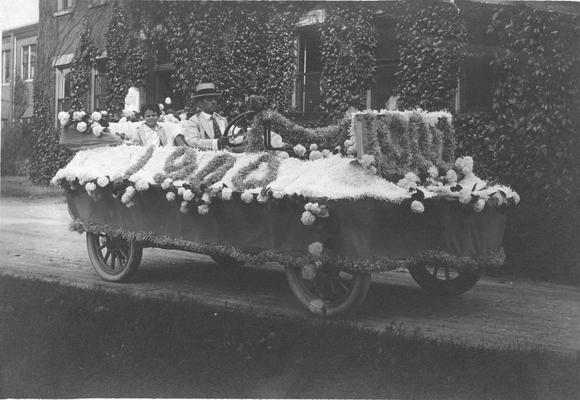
{"x": 95, "y": 123}
{"x": 213, "y": 172}
{"x": 181, "y": 169}
{"x": 343, "y": 263}
{"x": 239, "y": 180}
{"x": 139, "y": 164}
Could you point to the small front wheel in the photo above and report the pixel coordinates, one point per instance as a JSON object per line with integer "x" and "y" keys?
{"x": 114, "y": 258}
{"x": 327, "y": 291}
{"x": 445, "y": 280}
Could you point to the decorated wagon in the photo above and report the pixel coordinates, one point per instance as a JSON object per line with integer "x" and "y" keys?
{"x": 390, "y": 195}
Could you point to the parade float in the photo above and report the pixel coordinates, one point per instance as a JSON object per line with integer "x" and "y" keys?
{"x": 380, "y": 190}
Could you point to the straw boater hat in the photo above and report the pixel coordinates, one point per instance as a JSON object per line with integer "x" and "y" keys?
{"x": 205, "y": 89}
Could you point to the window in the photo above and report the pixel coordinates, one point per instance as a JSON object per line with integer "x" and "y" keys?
{"x": 6, "y": 67}
{"x": 64, "y": 5}
{"x": 100, "y": 86}
{"x": 97, "y": 3}
{"x": 63, "y": 89}
{"x": 476, "y": 85}
{"x": 28, "y": 62}
{"x": 309, "y": 70}
{"x": 387, "y": 56}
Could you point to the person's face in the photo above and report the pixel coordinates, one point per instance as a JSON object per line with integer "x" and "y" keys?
{"x": 208, "y": 104}
{"x": 150, "y": 117}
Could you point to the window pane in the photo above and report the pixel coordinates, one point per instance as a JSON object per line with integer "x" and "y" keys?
{"x": 25, "y": 55}
{"x": 478, "y": 85}
{"x": 32, "y": 60}
{"x": 384, "y": 84}
{"x": 66, "y": 79}
{"x": 6, "y": 66}
{"x": 386, "y": 40}
{"x": 312, "y": 92}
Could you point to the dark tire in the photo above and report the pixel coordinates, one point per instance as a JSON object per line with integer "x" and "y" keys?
{"x": 330, "y": 292}
{"x": 114, "y": 259}
{"x": 445, "y": 280}
{"x": 227, "y": 262}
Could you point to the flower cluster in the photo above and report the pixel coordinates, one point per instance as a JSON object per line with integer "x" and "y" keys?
{"x": 458, "y": 183}
{"x": 313, "y": 210}
{"x": 95, "y": 123}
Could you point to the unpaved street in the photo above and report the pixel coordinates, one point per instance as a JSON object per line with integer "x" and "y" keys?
{"x": 35, "y": 242}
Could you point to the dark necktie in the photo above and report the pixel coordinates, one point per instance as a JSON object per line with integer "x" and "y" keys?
{"x": 217, "y": 133}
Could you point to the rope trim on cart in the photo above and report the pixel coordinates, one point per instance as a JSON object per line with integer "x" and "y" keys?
{"x": 343, "y": 263}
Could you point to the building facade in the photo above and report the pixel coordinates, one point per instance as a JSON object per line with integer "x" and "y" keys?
{"x": 19, "y": 48}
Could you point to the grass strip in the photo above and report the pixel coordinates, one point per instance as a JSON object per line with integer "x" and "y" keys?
{"x": 59, "y": 342}
{"x": 21, "y": 187}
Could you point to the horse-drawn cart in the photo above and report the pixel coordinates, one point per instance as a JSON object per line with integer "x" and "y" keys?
{"x": 330, "y": 219}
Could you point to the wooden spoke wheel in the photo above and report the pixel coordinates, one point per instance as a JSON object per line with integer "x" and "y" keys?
{"x": 327, "y": 291}
{"x": 227, "y": 262}
{"x": 445, "y": 280}
{"x": 114, "y": 258}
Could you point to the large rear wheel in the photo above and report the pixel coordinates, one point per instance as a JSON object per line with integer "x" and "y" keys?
{"x": 445, "y": 280}
{"x": 327, "y": 291}
{"x": 114, "y": 258}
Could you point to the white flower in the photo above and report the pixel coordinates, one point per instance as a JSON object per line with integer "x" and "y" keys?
{"x": 170, "y": 196}
{"x": 433, "y": 172}
{"x": 261, "y": 199}
{"x": 166, "y": 183}
{"x": 180, "y": 191}
{"x": 63, "y": 117}
{"x": 308, "y": 206}
{"x": 417, "y": 207}
{"x": 351, "y": 150}
{"x": 141, "y": 185}
{"x": 278, "y": 194}
{"x": 82, "y": 114}
{"x": 116, "y": 176}
{"x": 167, "y": 100}
{"x": 247, "y": 196}
{"x": 300, "y": 150}
{"x": 479, "y": 205}
{"x": 183, "y": 208}
{"x": 412, "y": 177}
{"x": 326, "y": 153}
{"x": 82, "y": 126}
{"x": 102, "y": 181}
{"x": 183, "y": 116}
{"x": 498, "y": 197}
{"x": 104, "y": 113}
{"x": 77, "y": 116}
{"x": 97, "y": 129}
{"x": 451, "y": 177}
{"x": 188, "y": 195}
{"x": 96, "y": 116}
{"x": 307, "y": 218}
{"x": 130, "y": 190}
{"x": 313, "y": 147}
{"x": 315, "y": 155}
{"x": 348, "y": 143}
{"x": 465, "y": 164}
{"x": 282, "y": 155}
{"x": 465, "y": 196}
{"x": 123, "y": 120}
{"x": 161, "y": 107}
{"x": 227, "y": 193}
{"x": 203, "y": 209}
{"x": 90, "y": 186}
{"x": 206, "y": 198}
{"x": 130, "y": 204}
{"x": 516, "y": 198}
{"x": 315, "y": 249}
{"x": 367, "y": 160}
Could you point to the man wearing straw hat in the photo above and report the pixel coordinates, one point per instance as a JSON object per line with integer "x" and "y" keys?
{"x": 206, "y": 128}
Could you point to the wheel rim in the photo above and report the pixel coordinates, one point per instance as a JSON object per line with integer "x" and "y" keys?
{"x": 328, "y": 285}
{"x": 113, "y": 254}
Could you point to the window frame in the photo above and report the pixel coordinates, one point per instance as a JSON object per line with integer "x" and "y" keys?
{"x": 27, "y": 73}
{"x": 6, "y": 70}
{"x": 65, "y": 5}
{"x": 302, "y": 74}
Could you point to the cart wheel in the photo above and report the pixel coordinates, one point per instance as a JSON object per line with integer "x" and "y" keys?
{"x": 227, "y": 262}
{"x": 114, "y": 259}
{"x": 445, "y": 280}
{"x": 327, "y": 291}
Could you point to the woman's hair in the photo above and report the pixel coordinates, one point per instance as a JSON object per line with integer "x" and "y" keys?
{"x": 150, "y": 107}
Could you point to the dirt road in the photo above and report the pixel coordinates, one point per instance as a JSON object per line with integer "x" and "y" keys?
{"x": 35, "y": 242}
